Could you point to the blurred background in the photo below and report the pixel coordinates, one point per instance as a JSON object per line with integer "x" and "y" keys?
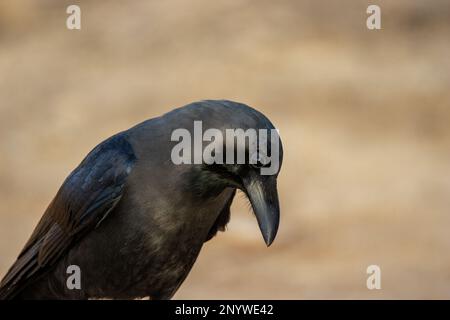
{"x": 364, "y": 117}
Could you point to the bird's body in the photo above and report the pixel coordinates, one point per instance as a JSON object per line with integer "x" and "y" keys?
{"x": 118, "y": 264}
{"x": 130, "y": 219}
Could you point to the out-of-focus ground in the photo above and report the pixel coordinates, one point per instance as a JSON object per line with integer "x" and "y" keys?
{"x": 364, "y": 117}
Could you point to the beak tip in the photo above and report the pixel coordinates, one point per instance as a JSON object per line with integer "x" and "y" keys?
{"x": 269, "y": 229}
{"x": 268, "y": 239}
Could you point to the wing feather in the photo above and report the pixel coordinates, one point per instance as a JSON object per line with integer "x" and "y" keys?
{"x": 84, "y": 200}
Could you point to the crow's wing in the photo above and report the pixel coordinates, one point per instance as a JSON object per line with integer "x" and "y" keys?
{"x": 86, "y": 197}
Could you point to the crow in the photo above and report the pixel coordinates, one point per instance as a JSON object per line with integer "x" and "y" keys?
{"x": 133, "y": 221}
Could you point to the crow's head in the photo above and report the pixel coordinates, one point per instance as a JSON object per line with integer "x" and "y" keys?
{"x": 239, "y": 148}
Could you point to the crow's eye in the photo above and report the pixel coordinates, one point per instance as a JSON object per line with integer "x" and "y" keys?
{"x": 259, "y": 164}
{"x": 259, "y": 160}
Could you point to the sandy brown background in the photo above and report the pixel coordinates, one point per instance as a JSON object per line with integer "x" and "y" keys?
{"x": 364, "y": 117}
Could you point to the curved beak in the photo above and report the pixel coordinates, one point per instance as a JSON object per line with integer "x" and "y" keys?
{"x": 262, "y": 192}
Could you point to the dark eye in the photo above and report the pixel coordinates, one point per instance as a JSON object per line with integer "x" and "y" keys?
{"x": 259, "y": 164}
{"x": 259, "y": 160}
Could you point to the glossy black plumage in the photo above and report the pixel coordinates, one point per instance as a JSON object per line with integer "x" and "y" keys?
{"x": 129, "y": 218}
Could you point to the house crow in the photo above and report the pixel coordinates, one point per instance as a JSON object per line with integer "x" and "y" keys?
{"x": 134, "y": 221}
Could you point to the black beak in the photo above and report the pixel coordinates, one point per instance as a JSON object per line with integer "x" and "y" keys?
{"x": 262, "y": 192}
